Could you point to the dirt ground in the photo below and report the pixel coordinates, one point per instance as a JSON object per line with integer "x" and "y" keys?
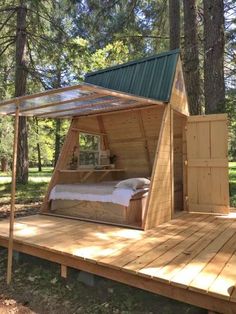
{"x": 20, "y": 209}
{"x": 38, "y": 288}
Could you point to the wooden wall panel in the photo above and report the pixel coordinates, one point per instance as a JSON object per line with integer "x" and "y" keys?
{"x": 159, "y": 203}
{"x": 132, "y": 136}
{"x": 88, "y": 124}
{"x": 207, "y": 170}
{"x": 131, "y": 140}
{"x": 134, "y": 141}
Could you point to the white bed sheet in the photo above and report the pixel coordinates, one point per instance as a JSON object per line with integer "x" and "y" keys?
{"x": 102, "y": 192}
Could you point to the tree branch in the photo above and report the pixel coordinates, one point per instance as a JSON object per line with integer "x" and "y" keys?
{"x": 7, "y": 19}
{"x": 5, "y": 48}
{"x": 8, "y": 9}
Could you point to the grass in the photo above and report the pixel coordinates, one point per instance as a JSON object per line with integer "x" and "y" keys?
{"x": 232, "y": 183}
{"x": 32, "y": 192}
{"x": 38, "y": 181}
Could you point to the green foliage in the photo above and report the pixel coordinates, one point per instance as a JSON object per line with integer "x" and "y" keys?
{"x": 232, "y": 182}
{"x": 6, "y": 137}
{"x": 41, "y": 133}
{"x": 34, "y": 191}
{"x": 112, "y": 54}
{"x": 231, "y": 110}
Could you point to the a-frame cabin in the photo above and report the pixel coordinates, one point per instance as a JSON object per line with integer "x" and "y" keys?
{"x": 177, "y": 238}
{"x": 148, "y": 140}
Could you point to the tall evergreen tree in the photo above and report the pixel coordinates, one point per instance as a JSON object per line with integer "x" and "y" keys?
{"x": 174, "y": 22}
{"x": 20, "y": 89}
{"x": 191, "y": 57}
{"x": 214, "y": 43}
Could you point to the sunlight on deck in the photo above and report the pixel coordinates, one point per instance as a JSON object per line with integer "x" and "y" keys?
{"x": 126, "y": 233}
{"x": 28, "y": 231}
{"x": 194, "y": 252}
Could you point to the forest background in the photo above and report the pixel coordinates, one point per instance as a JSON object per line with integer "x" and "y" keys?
{"x": 48, "y": 44}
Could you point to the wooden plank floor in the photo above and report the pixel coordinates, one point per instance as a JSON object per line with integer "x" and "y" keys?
{"x": 191, "y": 258}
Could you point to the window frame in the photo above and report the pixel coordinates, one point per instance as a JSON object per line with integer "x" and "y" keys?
{"x": 89, "y": 166}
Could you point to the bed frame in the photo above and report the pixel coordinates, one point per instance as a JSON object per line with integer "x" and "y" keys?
{"x": 104, "y": 212}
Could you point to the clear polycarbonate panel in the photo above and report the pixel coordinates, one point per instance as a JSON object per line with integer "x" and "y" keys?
{"x": 54, "y": 98}
{"x": 7, "y": 109}
{"x": 113, "y": 106}
{"x": 68, "y": 106}
{"x": 44, "y": 100}
{"x": 68, "y": 102}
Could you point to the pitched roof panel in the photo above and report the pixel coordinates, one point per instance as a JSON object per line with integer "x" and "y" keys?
{"x": 150, "y": 77}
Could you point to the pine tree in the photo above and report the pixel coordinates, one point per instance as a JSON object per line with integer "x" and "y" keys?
{"x": 191, "y": 57}
{"x": 214, "y": 42}
{"x": 174, "y": 21}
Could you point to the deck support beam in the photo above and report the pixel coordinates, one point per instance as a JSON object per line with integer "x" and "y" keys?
{"x": 13, "y": 195}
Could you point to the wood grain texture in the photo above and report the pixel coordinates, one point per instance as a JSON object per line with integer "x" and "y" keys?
{"x": 190, "y": 258}
{"x": 207, "y": 163}
{"x": 159, "y": 203}
{"x": 99, "y": 211}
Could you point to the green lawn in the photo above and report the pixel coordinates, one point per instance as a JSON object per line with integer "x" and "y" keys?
{"x": 32, "y": 192}
{"x": 232, "y": 183}
{"x": 35, "y": 189}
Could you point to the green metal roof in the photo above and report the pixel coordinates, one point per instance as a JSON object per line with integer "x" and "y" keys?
{"x": 150, "y": 77}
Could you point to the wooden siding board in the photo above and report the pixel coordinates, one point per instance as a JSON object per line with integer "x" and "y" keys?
{"x": 161, "y": 180}
{"x": 207, "y": 167}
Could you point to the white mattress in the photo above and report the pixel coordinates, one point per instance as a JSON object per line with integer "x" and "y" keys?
{"x": 98, "y": 192}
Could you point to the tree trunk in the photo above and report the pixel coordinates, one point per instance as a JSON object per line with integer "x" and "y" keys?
{"x": 4, "y": 164}
{"x": 39, "y": 158}
{"x": 214, "y": 41}
{"x": 191, "y": 57}
{"x": 174, "y": 21}
{"x": 20, "y": 89}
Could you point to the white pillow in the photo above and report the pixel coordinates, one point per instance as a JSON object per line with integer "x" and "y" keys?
{"x": 134, "y": 183}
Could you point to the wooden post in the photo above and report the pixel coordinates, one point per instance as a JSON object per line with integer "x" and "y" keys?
{"x": 13, "y": 194}
{"x": 63, "y": 271}
{"x": 172, "y": 172}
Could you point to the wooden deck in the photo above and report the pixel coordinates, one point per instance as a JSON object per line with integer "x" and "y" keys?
{"x": 191, "y": 258}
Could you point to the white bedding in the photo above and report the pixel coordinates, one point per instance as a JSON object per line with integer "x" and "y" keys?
{"x": 99, "y": 192}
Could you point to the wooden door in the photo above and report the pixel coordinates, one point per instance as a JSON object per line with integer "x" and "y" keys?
{"x": 207, "y": 164}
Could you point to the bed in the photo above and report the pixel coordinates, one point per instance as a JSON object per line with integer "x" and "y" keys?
{"x": 104, "y": 201}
